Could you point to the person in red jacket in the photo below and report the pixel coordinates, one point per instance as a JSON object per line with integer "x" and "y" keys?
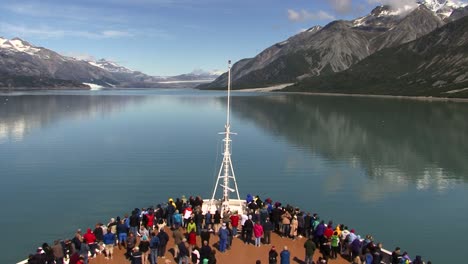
{"x": 192, "y": 240}
{"x": 150, "y": 220}
{"x": 328, "y": 232}
{"x": 234, "y": 223}
{"x": 258, "y": 232}
{"x": 91, "y": 240}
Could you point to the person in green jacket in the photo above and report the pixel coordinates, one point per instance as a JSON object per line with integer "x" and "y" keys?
{"x": 310, "y": 247}
{"x": 335, "y": 245}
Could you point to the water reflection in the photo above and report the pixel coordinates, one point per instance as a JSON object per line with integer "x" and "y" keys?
{"x": 394, "y": 141}
{"x": 19, "y": 115}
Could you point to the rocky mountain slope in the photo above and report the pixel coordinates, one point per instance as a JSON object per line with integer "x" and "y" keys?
{"x": 337, "y": 46}
{"x": 24, "y": 65}
{"x": 433, "y": 65}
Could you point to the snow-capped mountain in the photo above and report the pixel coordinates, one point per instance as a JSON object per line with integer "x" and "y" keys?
{"x": 340, "y": 44}
{"x": 18, "y": 45}
{"x": 109, "y": 66}
{"x": 443, "y": 8}
{"x": 23, "y": 64}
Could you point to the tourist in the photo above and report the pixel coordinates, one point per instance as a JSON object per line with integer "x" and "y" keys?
{"x": 150, "y": 219}
{"x": 131, "y": 242}
{"x": 258, "y": 233}
{"x": 226, "y": 217}
{"x": 198, "y": 218}
{"x": 170, "y": 210}
{"x": 307, "y": 225}
{"x": 355, "y": 247}
{"x": 335, "y": 245}
{"x": 300, "y": 224}
{"x": 328, "y": 233}
{"x": 144, "y": 249}
{"x": 230, "y": 237}
{"x": 183, "y": 252}
{"x": 293, "y": 227}
{"x": 144, "y": 232}
{"x": 84, "y": 250}
{"x": 418, "y": 260}
{"x": 217, "y": 221}
{"x": 343, "y": 239}
{"x": 112, "y": 226}
{"x": 74, "y": 258}
{"x": 267, "y": 229}
{"x": 377, "y": 255}
{"x": 285, "y": 256}
{"x": 396, "y": 257}
{"x": 248, "y": 227}
{"x": 177, "y": 235}
{"x": 134, "y": 223}
{"x": 76, "y": 241}
{"x": 310, "y": 247}
{"x": 122, "y": 231}
{"x": 191, "y": 226}
{"x": 243, "y": 218}
{"x": 136, "y": 256}
{"x": 286, "y": 222}
{"x": 109, "y": 241}
{"x": 192, "y": 240}
{"x": 99, "y": 233}
{"x": 187, "y": 215}
{"x": 405, "y": 258}
{"x": 223, "y": 238}
{"x": 208, "y": 219}
{"x": 276, "y": 217}
{"x": 57, "y": 250}
{"x": 81, "y": 260}
{"x": 196, "y": 256}
{"x": 263, "y": 214}
{"x": 163, "y": 240}
{"x": 234, "y": 223}
{"x": 38, "y": 258}
{"x": 368, "y": 256}
{"x": 318, "y": 233}
{"x": 177, "y": 219}
{"x": 154, "y": 246}
{"x": 205, "y": 233}
{"x": 273, "y": 256}
{"x": 205, "y": 251}
{"x": 91, "y": 240}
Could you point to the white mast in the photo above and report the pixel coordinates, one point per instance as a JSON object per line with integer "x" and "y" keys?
{"x": 226, "y": 172}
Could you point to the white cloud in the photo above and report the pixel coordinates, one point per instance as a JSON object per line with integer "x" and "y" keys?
{"x": 396, "y": 4}
{"x": 49, "y": 32}
{"x": 68, "y": 12}
{"x": 341, "y": 6}
{"x": 304, "y": 15}
{"x": 401, "y": 7}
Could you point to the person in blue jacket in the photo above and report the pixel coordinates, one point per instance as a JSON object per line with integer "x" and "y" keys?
{"x": 285, "y": 256}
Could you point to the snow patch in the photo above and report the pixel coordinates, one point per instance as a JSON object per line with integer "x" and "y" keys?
{"x": 190, "y": 81}
{"x": 94, "y": 87}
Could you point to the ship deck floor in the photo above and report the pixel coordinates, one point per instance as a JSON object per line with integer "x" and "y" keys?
{"x": 239, "y": 252}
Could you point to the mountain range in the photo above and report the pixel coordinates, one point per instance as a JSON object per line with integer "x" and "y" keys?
{"x": 23, "y": 65}
{"x": 320, "y": 53}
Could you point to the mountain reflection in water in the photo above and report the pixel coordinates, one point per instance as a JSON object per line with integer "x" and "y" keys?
{"x": 395, "y": 141}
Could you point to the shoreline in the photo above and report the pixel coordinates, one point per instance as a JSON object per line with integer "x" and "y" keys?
{"x": 278, "y": 88}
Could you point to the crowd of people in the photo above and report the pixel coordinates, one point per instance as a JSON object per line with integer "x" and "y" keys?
{"x": 142, "y": 234}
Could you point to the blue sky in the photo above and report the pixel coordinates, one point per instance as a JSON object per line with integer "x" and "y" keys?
{"x": 168, "y": 37}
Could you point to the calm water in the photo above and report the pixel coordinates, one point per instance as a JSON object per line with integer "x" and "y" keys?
{"x": 397, "y": 169}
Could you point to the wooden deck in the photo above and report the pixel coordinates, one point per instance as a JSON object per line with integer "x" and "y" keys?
{"x": 239, "y": 252}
